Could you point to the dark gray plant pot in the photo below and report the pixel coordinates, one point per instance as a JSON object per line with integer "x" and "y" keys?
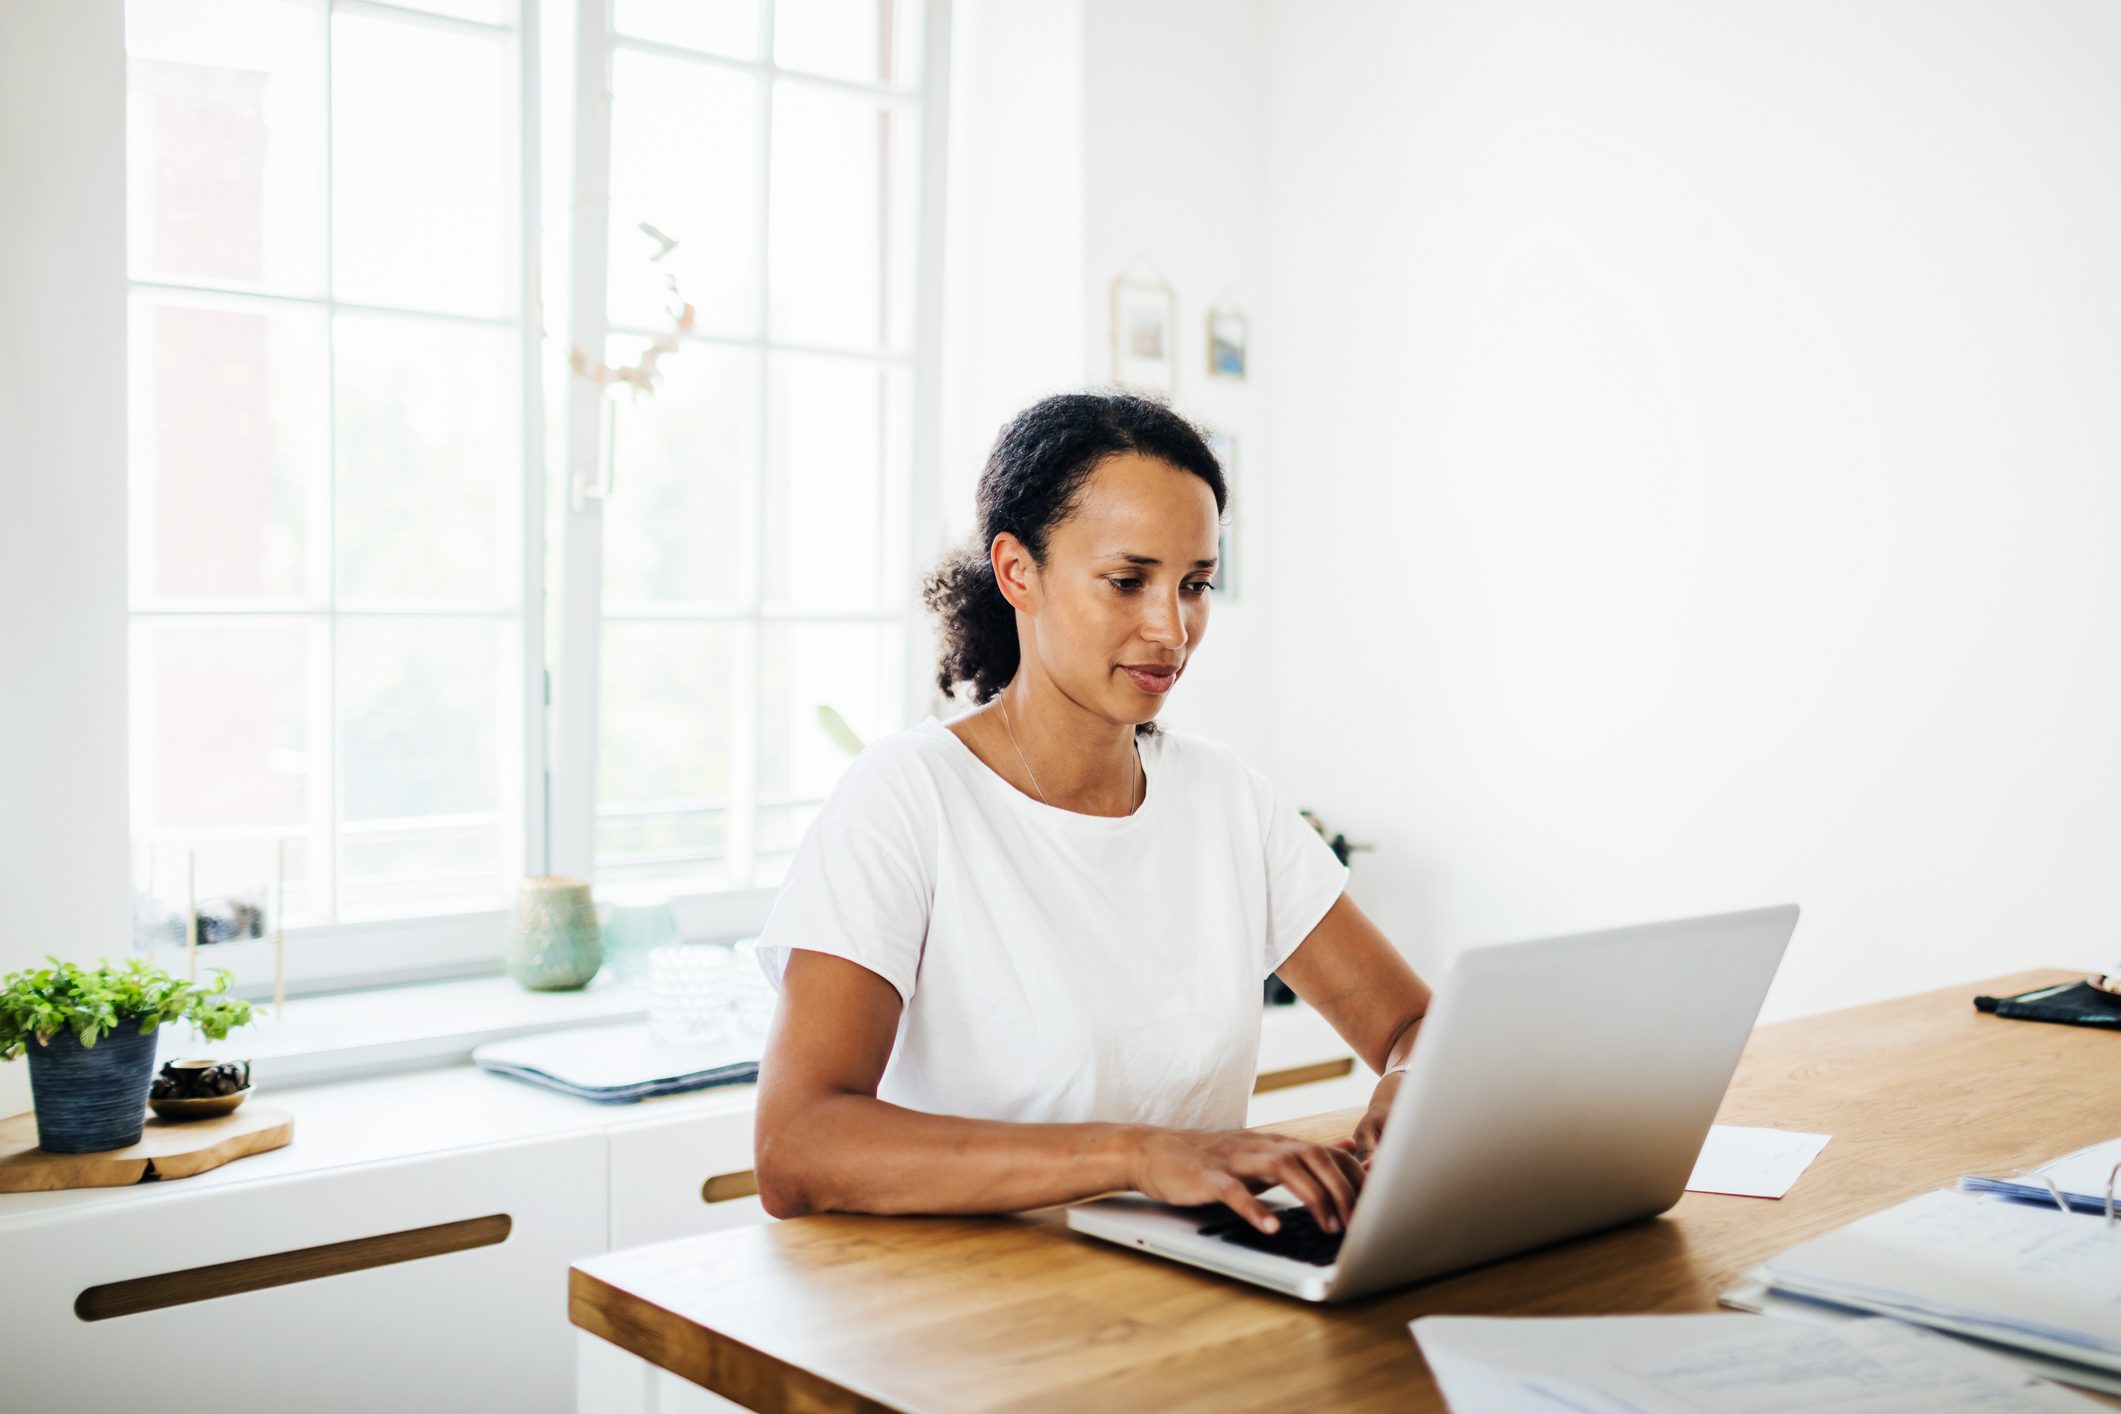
{"x": 91, "y": 1098}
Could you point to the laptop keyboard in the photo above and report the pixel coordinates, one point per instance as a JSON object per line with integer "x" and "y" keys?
{"x": 1300, "y": 1237}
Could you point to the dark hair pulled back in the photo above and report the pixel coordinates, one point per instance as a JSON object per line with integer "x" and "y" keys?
{"x": 1029, "y": 486}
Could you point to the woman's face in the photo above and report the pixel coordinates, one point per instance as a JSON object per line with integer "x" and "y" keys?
{"x": 1121, "y": 602}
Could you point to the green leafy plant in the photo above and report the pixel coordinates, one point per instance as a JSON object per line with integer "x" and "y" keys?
{"x": 92, "y": 1001}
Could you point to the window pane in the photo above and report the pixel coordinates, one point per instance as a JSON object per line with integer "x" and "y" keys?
{"x": 717, "y": 26}
{"x": 682, "y": 160}
{"x": 845, "y": 183}
{"x": 221, "y": 759}
{"x": 676, "y": 528}
{"x": 804, "y": 668}
{"x": 649, "y": 843}
{"x": 780, "y": 830}
{"x": 230, "y": 873}
{"x": 424, "y": 128}
{"x": 492, "y": 12}
{"x": 427, "y": 805}
{"x": 869, "y": 41}
{"x": 224, "y": 153}
{"x": 429, "y": 459}
{"x": 227, "y": 429}
{"x": 667, "y": 724}
{"x": 835, "y": 530}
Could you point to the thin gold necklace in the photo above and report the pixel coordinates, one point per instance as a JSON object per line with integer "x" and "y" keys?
{"x": 1141, "y": 795}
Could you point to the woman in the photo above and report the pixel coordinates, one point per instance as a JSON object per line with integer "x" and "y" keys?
{"x": 1020, "y": 953}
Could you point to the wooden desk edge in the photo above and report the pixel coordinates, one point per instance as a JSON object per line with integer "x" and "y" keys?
{"x": 708, "y": 1358}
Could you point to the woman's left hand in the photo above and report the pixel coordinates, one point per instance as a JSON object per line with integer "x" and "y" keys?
{"x": 1371, "y": 1127}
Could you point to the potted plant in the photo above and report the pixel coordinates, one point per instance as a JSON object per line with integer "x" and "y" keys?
{"x": 90, "y": 1037}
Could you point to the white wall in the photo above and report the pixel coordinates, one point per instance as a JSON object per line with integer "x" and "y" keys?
{"x": 1175, "y": 185}
{"x": 63, "y": 872}
{"x": 1092, "y": 138}
{"x": 1013, "y": 312}
{"x": 1012, "y": 238}
{"x": 1700, "y": 426}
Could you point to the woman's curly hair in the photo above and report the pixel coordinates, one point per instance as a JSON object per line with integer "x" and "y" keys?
{"x": 1029, "y": 486}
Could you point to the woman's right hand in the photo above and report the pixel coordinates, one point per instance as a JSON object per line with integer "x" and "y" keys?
{"x": 1191, "y": 1166}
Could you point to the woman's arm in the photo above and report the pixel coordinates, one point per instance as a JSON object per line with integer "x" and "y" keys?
{"x": 1358, "y": 981}
{"x": 825, "y": 1143}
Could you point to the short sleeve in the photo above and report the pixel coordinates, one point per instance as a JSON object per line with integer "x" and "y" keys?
{"x": 859, "y": 886}
{"x": 1304, "y": 878}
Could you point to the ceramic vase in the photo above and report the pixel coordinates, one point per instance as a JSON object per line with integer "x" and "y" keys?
{"x": 553, "y": 942}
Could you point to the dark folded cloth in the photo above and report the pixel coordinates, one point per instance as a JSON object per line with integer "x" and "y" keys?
{"x": 2071, "y": 1004}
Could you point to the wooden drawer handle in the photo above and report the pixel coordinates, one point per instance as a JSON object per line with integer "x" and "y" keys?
{"x": 1303, "y": 1075}
{"x": 725, "y": 1186}
{"x": 129, "y": 1298}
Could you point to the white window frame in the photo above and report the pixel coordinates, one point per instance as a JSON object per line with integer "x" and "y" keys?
{"x": 736, "y": 910}
{"x": 338, "y": 955}
{"x": 558, "y": 703}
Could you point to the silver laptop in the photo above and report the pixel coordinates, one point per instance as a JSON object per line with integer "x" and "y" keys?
{"x": 1559, "y": 1087}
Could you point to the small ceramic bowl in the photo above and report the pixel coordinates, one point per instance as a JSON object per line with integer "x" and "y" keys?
{"x": 195, "y": 1089}
{"x": 201, "y": 1108}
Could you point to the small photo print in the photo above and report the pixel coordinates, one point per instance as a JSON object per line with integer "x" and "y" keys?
{"x": 1226, "y": 344}
{"x": 1143, "y": 333}
{"x": 1146, "y": 332}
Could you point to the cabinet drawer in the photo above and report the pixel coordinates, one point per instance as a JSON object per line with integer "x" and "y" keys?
{"x": 1347, "y": 1091}
{"x": 317, "y": 1286}
{"x": 675, "y": 1179}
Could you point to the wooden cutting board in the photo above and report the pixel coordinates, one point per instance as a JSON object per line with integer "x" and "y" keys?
{"x": 167, "y": 1149}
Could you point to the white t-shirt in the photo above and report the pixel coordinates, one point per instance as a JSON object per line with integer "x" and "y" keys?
{"x": 1057, "y": 966}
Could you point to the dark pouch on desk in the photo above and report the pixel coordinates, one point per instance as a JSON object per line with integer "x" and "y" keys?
{"x": 2072, "y": 1004}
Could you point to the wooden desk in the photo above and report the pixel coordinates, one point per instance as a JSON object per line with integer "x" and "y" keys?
{"x": 838, "y": 1312}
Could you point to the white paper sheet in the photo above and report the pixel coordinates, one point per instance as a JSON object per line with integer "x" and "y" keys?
{"x": 1753, "y": 1163}
{"x": 1718, "y": 1365}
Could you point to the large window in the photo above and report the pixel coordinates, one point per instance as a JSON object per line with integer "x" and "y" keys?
{"x": 755, "y": 546}
{"x": 371, "y": 635}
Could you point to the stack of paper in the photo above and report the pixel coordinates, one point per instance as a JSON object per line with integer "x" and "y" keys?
{"x": 1755, "y": 1295}
{"x": 1718, "y": 1365}
{"x": 618, "y": 1064}
{"x": 2017, "y": 1275}
{"x": 2084, "y": 1179}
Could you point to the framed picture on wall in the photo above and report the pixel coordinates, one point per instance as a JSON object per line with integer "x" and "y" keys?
{"x": 1144, "y": 336}
{"x": 1225, "y": 448}
{"x": 1226, "y": 343}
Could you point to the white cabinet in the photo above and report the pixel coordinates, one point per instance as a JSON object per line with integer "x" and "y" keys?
{"x": 671, "y": 1177}
{"x": 609, "y": 1380}
{"x": 661, "y": 1170}
{"x": 475, "y": 1328}
{"x": 480, "y": 1328}
{"x": 1350, "y": 1091}
{"x": 1296, "y": 1038}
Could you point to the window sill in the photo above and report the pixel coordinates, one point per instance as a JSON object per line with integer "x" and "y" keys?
{"x": 400, "y": 953}
{"x": 350, "y": 1034}
{"x": 347, "y": 1035}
